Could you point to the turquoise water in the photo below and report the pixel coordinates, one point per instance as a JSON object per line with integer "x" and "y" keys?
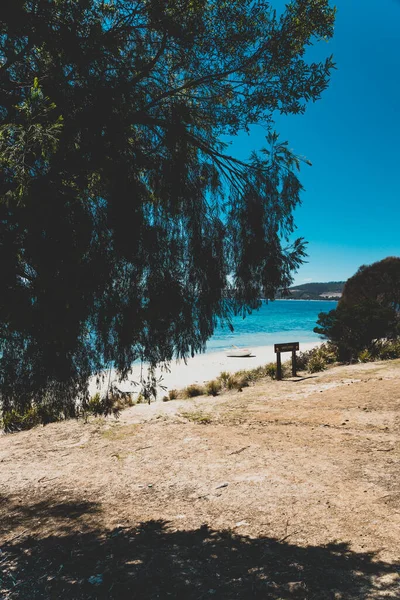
{"x": 275, "y": 322}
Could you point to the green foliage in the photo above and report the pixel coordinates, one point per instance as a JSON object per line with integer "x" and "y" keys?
{"x": 353, "y": 328}
{"x": 213, "y": 387}
{"x": 365, "y": 356}
{"x": 103, "y": 406}
{"x": 323, "y": 354}
{"x": 14, "y": 421}
{"x": 127, "y": 232}
{"x": 387, "y": 350}
{"x": 95, "y": 405}
{"x": 316, "y": 363}
{"x": 193, "y": 390}
{"x": 270, "y": 370}
{"x": 377, "y": 283}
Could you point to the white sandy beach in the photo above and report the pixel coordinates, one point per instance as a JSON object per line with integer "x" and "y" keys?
{"x": 201, "y": 368}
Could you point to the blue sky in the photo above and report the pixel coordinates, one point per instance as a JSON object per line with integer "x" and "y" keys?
{"x": 351, "y": 207}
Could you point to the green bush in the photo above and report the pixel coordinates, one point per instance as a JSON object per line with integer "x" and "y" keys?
{"x": 270, "y": 370}
{"x": 141, "y": 399}
{"x": 388, "y": 350}
{"x": 302, "y": 360}
{"x": 111, "y": 404}
{"x": 353, "y": 328}
{"x": 95, "y": 405}
{"x": 327, "y": 352}
{"x": 14, "y": 421}
{"x": 316, "y": 364}
{"x": 213, "y": 387}
{"x": 365, "y": 356}
{"x": 193, "y": 390}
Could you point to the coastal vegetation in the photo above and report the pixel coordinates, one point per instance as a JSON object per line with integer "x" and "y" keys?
{"x": 367, "y": 318}
{"x": 127, "y": 230}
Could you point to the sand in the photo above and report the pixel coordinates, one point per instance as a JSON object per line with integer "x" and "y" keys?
{"x": 285, "y": 491}
{"x": 200, "y": 368}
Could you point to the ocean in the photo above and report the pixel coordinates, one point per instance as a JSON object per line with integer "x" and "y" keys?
{"x": 274, "y": 323}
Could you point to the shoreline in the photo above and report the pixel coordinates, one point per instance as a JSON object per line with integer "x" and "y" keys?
{"x": 199, "y": 369}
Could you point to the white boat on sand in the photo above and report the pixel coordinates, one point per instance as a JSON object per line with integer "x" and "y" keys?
{"x": 236, "y": 352}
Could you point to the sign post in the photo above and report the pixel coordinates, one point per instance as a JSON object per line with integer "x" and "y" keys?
{"x": 289, "y": 347}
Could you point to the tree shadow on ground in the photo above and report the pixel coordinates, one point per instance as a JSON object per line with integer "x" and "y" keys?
{"x": 153, "y": 560}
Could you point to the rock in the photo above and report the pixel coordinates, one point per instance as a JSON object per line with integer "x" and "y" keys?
{"x": 241, "y": 523}
{"x": 222, "y": 485}
{"x": 297, "y": 588}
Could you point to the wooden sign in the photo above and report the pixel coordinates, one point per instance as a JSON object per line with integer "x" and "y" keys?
{"x": 288, "y": 347}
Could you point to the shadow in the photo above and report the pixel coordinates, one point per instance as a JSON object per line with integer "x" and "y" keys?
{"x": 301, "y": 378}
{"x": 64, "y": 514}
{"x": 153, "y": 561}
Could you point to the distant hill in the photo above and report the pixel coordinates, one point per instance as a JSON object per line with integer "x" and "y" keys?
{"x": 331, "y": 290}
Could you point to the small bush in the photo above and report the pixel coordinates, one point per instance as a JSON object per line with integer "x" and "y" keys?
{"x": 302, "y": 360}
{"x": 95, "y": 405}
{"x": 327, "y": 352}
{"x": 389, "y": 350}
{"x": 14, "y": 421}
{"x": 193, "y": 390}
{"x": 316, "y": 364}
{"x": 172, "y": 394}
{"x": 270, "y": 370}
{"x": 365, "y": 356}
{"x": 237, "y": 381}
{"x": 213, "y": 387}
{"x": 224, "y": 378}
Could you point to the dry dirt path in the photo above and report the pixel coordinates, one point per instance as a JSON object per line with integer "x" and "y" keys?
{"x": 286, "y": 490}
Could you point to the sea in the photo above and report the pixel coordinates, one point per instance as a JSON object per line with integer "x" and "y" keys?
{"x": 275, "y": 322}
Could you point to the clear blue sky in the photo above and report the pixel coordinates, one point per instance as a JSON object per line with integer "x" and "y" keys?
{"x": 351, "y": 205}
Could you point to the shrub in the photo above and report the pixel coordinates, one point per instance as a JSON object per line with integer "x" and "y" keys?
{"x": 316, "y": 363}
{"x": 193, "y": 390}
{"x": 172, "y": 394}
{"x": 237, "y": 381}
{"x": 388, "y": 350}
{"x": 326, "y": 351}
{"x": 365, "y": 356}
{"x": 213, "y": 387}
{"x": 270, "y": 370}
{"x": 95, "y": 405}
{"x": 354, "y": 328}
{"x": 302, "y": 360}
{"x": 15, "y": 421}
{"x": 224, "y": 378}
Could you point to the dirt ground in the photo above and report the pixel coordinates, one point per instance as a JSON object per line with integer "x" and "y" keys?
{"x": 285, "y": 490}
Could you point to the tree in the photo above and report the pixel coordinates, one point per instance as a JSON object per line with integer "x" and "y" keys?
{"x": 126, "y": 230}
{"x": 379, "y": 282}
{"x": 368, "y": 310}
{"x": 358, "y": 327}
